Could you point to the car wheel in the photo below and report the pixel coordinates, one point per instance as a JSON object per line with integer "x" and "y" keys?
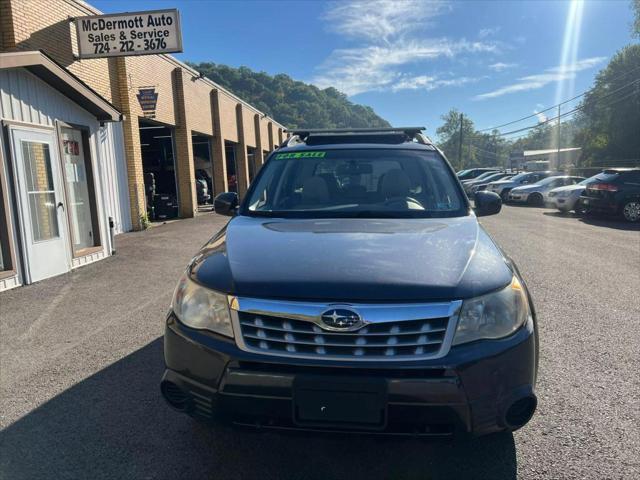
{"x": 579, "y": 208}
{"x": 504, "y": 195}
{"x": 535, "y": 199}
{"x": 631, "y": 211}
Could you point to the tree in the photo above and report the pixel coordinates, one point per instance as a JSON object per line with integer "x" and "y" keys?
{"x": 292, "y": 103}
{"x": 610, "y": 112}
{"x": 635, "y": 28}
{"x": 449, "y": 136}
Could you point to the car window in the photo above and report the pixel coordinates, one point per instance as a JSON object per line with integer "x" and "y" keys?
{"x": 631, "y": 177}
{"x": 549, "y": 181}
{"x": 590, "y": 180}
{"x": 356, "y": 183}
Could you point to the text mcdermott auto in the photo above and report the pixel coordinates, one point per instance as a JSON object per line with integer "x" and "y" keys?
{"x": 354, "y": 290}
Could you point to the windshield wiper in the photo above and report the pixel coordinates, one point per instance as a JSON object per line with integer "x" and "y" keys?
{"x": 383, "y": 214}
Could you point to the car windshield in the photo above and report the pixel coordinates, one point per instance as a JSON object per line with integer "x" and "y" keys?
{"x": 590, "y": 180}
{"x": 547, "y": 181}
{"x": 382, "y": 183}
{"x": 495, "y": 176}
{"x": 484, "y": 175}
{"x": 519, "y": 176}
{"x": 606, "y": 177}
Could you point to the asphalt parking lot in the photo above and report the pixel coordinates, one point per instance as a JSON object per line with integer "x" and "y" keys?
{"x": 81, "y": 358}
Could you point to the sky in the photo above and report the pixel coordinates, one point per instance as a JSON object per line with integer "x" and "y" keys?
{"x": 413, "y": 60}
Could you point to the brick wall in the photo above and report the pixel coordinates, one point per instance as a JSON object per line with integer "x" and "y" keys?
{"x": 184, "y": 101}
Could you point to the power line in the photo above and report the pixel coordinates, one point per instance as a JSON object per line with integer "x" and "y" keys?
{"x": 485, "y": 152}
{"x": 578, "y": 108}
{"x": 532, "y": 115}
{"x": 555, "y": 106}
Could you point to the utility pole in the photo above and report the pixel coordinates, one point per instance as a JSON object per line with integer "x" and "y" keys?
{"x": 558, "y": 144}
{"x": 460, "y": 144}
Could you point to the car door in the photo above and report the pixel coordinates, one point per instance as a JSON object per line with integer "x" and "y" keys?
{"x": 41, "y": 196}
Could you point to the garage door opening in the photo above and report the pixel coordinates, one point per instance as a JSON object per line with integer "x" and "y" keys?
{"x": 230, "y": 154}
{"x": 158, "y": 165}
{"x": 203, "y": 165}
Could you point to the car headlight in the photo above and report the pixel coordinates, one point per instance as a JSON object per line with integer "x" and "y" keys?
{"x": 495, "y": 315}
{"x": 202, "y": 308}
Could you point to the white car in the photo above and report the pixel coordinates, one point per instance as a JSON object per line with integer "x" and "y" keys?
{"x": 566, "y": 198}
{"x": 537, "y": 193}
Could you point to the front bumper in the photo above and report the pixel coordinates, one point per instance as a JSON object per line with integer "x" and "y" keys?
{"x": 562, "y": 203}
{"x": 470, "y": 389}
{"x": 518, "y": 197}
{"x": 600, "y": 205}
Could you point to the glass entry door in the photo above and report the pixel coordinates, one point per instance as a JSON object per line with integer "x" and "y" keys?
{"x": 41, "y": 203}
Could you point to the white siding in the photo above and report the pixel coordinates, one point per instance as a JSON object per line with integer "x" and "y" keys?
{"x": 26, "y": 98}
{"x": 114, "y": 172}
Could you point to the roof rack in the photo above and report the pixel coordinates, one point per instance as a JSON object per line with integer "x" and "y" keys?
{"x": 299, "y": 136}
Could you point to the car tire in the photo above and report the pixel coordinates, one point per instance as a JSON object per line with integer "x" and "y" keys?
{"x": 535, "y": 200}
{"x": 579, "y": 208}
{"x": 631, "y": 211}
{"x": 504, "y": 196}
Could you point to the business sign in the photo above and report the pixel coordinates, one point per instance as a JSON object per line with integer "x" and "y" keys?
{"x": 137, "y": 33}
{"x": 148, "y": 99}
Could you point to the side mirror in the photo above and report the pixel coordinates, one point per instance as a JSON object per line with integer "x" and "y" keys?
{"x": 226, "y": 204}
{"x": 487, "y": 203}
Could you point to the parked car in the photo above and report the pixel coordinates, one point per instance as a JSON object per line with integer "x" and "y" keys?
{"x": 480, "y": 177}
{"x": 615, "y": 191}
{"x": 503, "y": 187}
{"x": 483, "y": 185}
{"x": 470, "y": 187}
{"x": 374, "y": 305}
{"x": 472, "y": 173}
{"x": 537, "y": 193}
{"x": 566, "y": 198}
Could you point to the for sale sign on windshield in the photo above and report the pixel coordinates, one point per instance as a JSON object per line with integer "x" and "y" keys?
{"x": 137, "y": 33}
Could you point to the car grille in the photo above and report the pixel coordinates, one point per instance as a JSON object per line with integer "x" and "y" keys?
{"x": 398, "y": 339}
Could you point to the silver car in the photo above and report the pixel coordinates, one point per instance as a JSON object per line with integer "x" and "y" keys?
{"x": 503, "y": 187}
{"x": 537, "y": 193}
{"x": 566, "y": 198}
{"x": 469, "y": 186}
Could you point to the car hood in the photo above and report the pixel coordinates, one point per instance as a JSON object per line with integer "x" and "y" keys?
{"x": 352, "y": 259}
{"x": 528, "y": 188}
{"x": 502, "y": 182}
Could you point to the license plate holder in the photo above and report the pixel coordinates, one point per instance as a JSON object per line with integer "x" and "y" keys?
{"x": 340, "y": 402}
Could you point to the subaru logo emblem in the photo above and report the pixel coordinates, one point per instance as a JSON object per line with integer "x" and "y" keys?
{"x": 338, "y": 318}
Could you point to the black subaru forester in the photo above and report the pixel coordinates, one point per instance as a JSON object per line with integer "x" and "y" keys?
{"x": 354, "y": 290}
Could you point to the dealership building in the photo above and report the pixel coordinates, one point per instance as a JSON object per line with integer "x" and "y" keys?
{"x": 94, "y": 147}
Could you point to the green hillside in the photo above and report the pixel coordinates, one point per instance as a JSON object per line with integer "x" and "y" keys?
{"x": 292, "y": 103}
